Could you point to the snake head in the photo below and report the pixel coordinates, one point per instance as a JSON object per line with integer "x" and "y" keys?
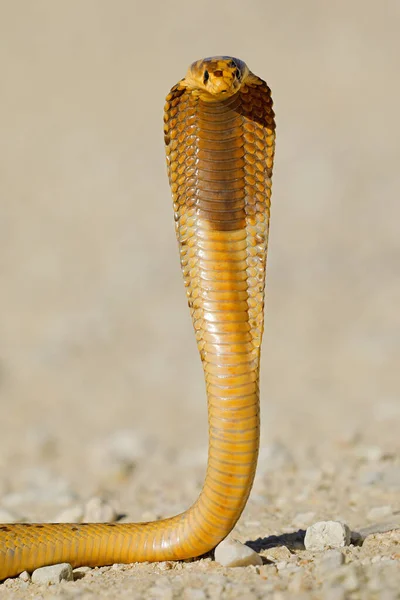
{"x": 215, "y": 78}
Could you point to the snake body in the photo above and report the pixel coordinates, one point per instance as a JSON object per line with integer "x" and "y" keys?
{"x": 219, "y": 137}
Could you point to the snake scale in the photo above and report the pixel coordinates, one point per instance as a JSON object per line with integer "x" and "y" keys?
{"x": 219, "y": 137}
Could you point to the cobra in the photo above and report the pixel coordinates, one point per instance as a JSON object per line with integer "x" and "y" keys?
{"x": 219, "y": 137}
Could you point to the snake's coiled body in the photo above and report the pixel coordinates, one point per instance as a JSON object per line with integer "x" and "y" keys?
{"x": 219, "y": 135}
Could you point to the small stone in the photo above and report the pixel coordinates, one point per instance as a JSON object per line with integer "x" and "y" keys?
{"x": 73, "y": 514}
{"x": 326, "y": 534}
{"x": 53, "y": 574}
{"x": 98, "y": 511}
{"x": 8, "y": 517}
{"x": 282, "y": 564}
{"x": 25, "y": 576}
{"x": 379, "y": 512}
{"x": 82, "y": 570}
{"x": 166, "y": 565}
{"x": 278, "y": 553}
{"x": 232, "y": 553}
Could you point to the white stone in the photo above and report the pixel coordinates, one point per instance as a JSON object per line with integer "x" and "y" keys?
{"x": 98, "y": 511}
{"x": 232, "y": 553}
{"x": 326, "y": 534}
{"x": 82, "y": 570}
{"x": 53, "y": 574}
{"x": 279, "y": 553}
{"x": 25, "y": 576}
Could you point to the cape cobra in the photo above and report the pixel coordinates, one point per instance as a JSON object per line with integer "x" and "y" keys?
{"x": 219, "y": 137}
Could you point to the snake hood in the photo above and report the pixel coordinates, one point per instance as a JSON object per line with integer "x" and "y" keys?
{"x": 216, "y": 77}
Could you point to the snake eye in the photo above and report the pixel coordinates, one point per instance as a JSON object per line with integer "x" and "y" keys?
{"x": 237, "y": 73}
{"x": 206, "y": 76}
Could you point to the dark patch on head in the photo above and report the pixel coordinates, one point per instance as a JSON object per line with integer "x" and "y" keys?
{"x": 218, "y": 73}
{"x": 232, "y": 64}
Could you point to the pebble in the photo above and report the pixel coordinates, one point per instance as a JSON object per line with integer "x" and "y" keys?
{"x": 278, "y": 553}
{"x": 25, "y": 576}
{"x": 82, "y": 570}
{"x": 327, "y": 534}
{"x": 73, "y": 514}
{"x": 53, "y": 574}
{"x": 166, "y": 565}
{"x": 98, "y": 511}
{"x": 232, "y": 553}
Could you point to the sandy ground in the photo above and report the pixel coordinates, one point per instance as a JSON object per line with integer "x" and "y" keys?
{"x": 98, "y": 363}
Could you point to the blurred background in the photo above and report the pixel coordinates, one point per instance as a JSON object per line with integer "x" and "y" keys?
{"x": 94, "y": 327}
